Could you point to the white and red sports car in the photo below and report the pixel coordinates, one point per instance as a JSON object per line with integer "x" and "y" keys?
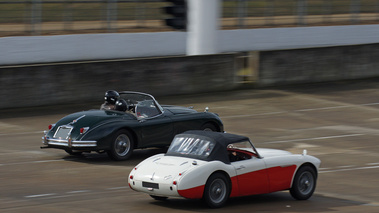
{"x": 214, "y": 166}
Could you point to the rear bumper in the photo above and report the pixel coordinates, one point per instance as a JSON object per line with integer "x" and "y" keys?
{"x": 67, "y": 144}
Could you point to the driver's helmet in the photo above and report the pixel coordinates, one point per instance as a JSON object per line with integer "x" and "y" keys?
{"x": 111, "y": 96}
{"x": 121, "y": 105}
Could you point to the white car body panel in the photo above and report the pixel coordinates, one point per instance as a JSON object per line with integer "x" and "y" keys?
{"x": 262, "y": 171}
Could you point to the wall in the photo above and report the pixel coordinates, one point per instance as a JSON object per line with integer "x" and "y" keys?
{"x": 318, "y": 64}
{"x": 62, "y": 83}
{"x": 83, "y": 47}
{"x": 77, "y": 82}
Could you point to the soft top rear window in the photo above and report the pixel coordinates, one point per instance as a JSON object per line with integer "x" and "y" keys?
{"x": 191, "y": 146}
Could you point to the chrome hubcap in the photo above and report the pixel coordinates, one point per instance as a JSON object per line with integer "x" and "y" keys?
{"x": 122, "y": 145}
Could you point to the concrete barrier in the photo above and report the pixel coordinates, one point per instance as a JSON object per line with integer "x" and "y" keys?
{"x": 318, "y": 64}
{"x": 78, "y": 82}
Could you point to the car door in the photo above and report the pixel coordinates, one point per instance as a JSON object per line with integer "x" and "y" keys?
{"x": 156, "y": 128}
{"x": 280, "y": 171}
{"x": 251, "y": 176}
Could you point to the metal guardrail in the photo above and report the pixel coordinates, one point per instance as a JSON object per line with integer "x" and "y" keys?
{"x": 40, "y": 17}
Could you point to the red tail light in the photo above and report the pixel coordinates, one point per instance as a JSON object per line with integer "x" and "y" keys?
{"x": 174, "y": 182}
{"x": 131, "y": 177}
{"x": 50, "y": 126}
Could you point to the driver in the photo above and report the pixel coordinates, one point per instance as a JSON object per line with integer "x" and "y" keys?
{"x": 121, "y": 105}
{"x": 110, "y": 98}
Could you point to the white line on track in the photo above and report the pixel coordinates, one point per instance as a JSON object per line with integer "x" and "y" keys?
{"x": 30, "y": 162}
{"x": 316, "y": 138}
{"x": 21, "y": 133}
{"x": 350, "y": 169}
{"x": 298, "y": 110}
{"x": 40, "y": 195}
{"x": 78, "y": 191}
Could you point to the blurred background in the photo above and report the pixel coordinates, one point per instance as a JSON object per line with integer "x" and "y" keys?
{"x": 289, "y": 74}
{"x": 51, "y": 17}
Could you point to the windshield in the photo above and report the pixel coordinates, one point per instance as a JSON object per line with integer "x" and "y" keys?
{"x": 141, "y": 105}
{"x": 191, "y": 146}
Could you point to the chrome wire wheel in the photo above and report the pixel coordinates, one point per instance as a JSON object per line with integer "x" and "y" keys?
{"x": 122, "y": 145}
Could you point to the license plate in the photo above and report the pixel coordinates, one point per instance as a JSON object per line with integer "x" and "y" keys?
{"x": 150, "y": 185}
{"x": 63, "y": 132}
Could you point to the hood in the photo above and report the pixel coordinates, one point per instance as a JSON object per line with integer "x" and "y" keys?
{"x": 264, "y": 152}
{"x": 163, "y": 169}
{"x": 178, "y": 109}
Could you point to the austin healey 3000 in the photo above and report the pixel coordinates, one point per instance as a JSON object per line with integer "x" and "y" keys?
{"x": 214, "y": 166}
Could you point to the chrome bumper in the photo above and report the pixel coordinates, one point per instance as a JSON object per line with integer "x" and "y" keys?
{"x": 68, "y": 143}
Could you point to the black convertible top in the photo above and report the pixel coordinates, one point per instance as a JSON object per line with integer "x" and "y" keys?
{"x": 224, "y": 139}
{"x": 221, "y": 140}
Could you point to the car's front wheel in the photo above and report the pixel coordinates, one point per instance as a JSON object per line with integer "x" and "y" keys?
{"x": 304, "y": 183}
{"x": 216, "y": 191}
{"x": 122, "y": 146}
{"x": 209, "y": 127}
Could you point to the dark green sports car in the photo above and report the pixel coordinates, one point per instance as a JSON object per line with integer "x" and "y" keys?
{"x": 144, "y": 124}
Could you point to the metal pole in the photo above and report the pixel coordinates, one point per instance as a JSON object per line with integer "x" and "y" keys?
{"x": 269, "y": 12}
{"x": 354, "y": 10}
{"x": 111, "y": 14}
{"x": 36, "y": 14}
{"x": 301, "y": 12}
{"x": 203, "y": 25}
{"x": 241, "y": 10}
{"x": 68, "y": 15}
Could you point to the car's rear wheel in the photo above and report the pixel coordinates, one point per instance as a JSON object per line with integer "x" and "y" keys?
{"x": 216, "y": 191}
{"x": 158, "y": 197}
{"x": 209, "y": 127}
{"x": 122, "y": 146}
{"x": 304, "y": 183}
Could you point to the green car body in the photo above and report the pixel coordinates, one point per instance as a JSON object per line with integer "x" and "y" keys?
{"x": 148, "y": 124}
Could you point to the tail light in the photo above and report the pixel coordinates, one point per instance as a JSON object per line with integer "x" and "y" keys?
{"x": 83, "y": 130}
{"x": 51, "y": 126}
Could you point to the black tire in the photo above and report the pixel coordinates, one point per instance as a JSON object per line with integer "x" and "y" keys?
{"x": 209, "y": 127}
{"x": 216, "y": 191}
{"x": 121, "y": 146}
{"x": 304, "y": 183}
{"x": 74, "y": 153}
{"x": 158, "y": 197}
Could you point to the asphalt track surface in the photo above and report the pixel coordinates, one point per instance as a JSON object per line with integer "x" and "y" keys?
{"x": 337, "y": 122}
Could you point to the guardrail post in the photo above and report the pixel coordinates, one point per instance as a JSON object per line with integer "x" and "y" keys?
{"x": 36, "y": 16}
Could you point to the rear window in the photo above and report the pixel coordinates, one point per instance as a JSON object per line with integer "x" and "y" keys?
{"x": 191, "y": 146}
